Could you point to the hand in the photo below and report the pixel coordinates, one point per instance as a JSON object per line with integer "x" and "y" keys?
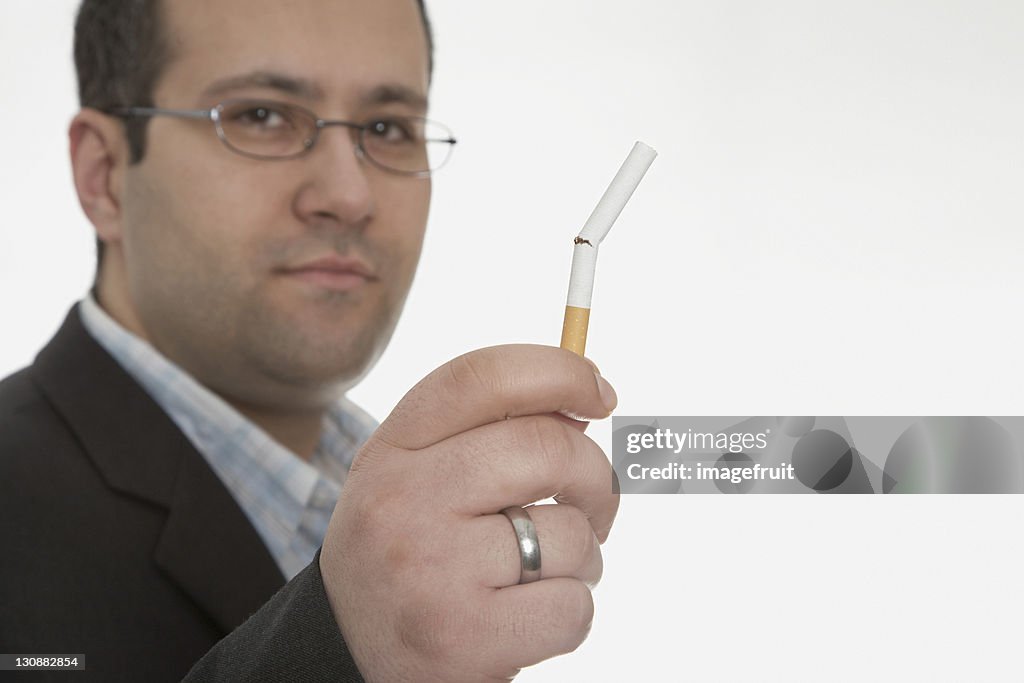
{"x": 420, "y": 568}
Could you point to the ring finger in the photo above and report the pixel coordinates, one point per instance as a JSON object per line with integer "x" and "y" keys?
{"x": 568, "y": 546}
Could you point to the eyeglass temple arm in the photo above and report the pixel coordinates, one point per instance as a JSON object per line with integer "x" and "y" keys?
{"x": 156, "y": 111}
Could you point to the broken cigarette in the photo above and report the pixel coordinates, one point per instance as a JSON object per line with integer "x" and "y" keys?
{"x": 584, "y": 254}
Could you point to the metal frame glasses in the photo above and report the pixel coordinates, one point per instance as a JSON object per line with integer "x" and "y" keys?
{"x": 270, "y": 130}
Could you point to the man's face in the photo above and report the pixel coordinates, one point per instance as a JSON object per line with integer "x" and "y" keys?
{"x": 220, "y": 250}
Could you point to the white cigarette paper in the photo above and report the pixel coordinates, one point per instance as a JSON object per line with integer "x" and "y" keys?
{"x": 584, "y": 255}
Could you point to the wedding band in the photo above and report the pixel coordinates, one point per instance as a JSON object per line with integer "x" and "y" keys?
{"x": 529, "y": 546}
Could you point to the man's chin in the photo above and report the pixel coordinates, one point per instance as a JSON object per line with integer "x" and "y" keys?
{"x": 324, "y": 364}
{"x": 322, "y": 351}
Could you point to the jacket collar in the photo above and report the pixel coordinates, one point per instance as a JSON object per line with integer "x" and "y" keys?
{"x": 207, "y": 546}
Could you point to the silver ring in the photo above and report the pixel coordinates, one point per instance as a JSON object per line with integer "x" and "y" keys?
{"x": 529, "y": 546}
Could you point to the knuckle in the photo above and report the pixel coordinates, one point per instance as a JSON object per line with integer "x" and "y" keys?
{"x": 399, "y": 556}
{"x": 393, "y": 430}
{"x": 423, "y": 628}
{"x": 594, "y": 468}
{"x": 376, "y": 514}
{"x": 372, "y": 451}
{"x": 605, "y": 529}
{"x": 582, "y": 611}
{"x": 432, "y": 630}
{"x": 595, "y": 464}
{"x": 580, "y": 542}
{"x": 472, "y": 370}
{"x": 574, "y": 368}
{"x": 577, "y": 609}
{"x": 409, "y": 554}
{"x": 598, "y": 569}
{"x": 363, "y": 525}
{"x": 549, "y": 441}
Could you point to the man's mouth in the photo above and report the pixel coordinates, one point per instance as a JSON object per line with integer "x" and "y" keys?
{"x": 336, "y": 273}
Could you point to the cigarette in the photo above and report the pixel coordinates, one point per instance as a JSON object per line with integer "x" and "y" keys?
{"x": 584, "y": 253}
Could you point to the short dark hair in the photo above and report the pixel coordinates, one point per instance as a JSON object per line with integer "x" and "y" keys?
{"x": 120, "y": 51}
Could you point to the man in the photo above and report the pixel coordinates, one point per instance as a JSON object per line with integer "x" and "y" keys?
{"x": 258, "y": 175}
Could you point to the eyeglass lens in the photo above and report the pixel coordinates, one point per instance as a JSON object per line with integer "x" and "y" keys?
{"x": 277, "y": 130}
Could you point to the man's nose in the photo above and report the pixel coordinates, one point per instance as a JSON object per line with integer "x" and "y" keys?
{"x": 337, "y": 186}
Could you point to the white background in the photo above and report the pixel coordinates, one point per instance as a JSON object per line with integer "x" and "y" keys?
{"x": 833, "y": 227}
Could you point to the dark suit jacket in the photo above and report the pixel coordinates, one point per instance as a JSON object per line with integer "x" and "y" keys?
{"x": 117, "y": 541}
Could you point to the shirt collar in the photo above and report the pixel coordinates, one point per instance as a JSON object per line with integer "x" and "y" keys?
{"x": 235, "y": 447}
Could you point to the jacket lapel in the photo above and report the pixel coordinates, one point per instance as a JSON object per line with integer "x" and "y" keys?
{"x": 208, "y": 547}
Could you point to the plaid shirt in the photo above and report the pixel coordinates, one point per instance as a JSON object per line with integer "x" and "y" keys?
{"x": 288, "y": 500}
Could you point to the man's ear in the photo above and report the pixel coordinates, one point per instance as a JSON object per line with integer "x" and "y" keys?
{"x": 99, "y": 156}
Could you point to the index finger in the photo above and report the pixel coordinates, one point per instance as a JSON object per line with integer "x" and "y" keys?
{"x": 495, "y": 384}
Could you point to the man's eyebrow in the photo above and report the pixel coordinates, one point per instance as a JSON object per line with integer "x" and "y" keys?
{"x": 394, "y": 93}
{"x": 290, "y": 85}
{"x": 391, "y": 93}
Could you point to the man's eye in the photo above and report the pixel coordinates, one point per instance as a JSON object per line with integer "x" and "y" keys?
{"x": 263, "y": 117}
{"x": 392, "y": 131}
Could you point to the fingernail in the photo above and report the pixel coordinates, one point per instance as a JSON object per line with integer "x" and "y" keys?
{"x": 608, "y": 396}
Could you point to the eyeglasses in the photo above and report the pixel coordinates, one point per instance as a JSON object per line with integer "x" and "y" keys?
{"x": 264, "y": 129}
